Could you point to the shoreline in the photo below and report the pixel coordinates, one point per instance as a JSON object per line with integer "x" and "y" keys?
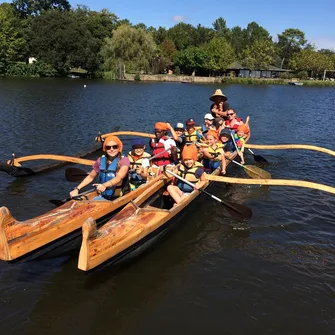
{"x": 221, "y": 80}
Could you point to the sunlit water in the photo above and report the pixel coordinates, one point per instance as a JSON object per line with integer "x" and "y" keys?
{"x": 201, "y": 277}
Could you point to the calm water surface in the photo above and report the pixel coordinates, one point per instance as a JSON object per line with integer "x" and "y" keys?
{"x": 201, "y": 278}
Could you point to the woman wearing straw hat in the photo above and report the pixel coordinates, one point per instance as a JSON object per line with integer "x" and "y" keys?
{"x": 220, "y": 106}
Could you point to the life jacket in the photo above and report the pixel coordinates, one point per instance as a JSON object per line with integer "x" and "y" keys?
{"x": 191, "y": 138}
{"x": 107, "y": 173}
{"x": 158, "y": 147}
{"x": 136, "y": 162}
{"x": 135, "y": 178}
{"x": 213, "y": 164}
{"x": 189, "y": 175}
{"x": 235, "y": 125}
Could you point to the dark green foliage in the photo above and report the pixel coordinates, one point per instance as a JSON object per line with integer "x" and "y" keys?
{"x": 27, "y": 8}
{"x": 63, "y": 40}
{"x": 37, "y": 69}
{"x": 137, "y": 77}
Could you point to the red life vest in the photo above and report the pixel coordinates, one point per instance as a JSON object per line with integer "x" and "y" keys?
{"x": 157, "y": 147}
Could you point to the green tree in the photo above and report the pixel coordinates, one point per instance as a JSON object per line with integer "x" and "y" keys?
{"x": 12, "y": 41}
{"x": 220, "y": 54}
{"x": 237, "y": 39}
{"x": 133, "y": 47}
{"x": 183, "y": 35}
{"x": 160, "y": 35}
{"x": 192, "y": 59}
{"x": 259, "y": 55}
{"x": 168, "y": 49}
{"x": 220, "y": 26}
{"x": 202, "y": 35}
{"x": 254, "y": 32}
{"x": 32, "y": 7}
{"x": 62, "y": 40}
{"x": 289, "y": 42}
{"x": 313, "y": 62}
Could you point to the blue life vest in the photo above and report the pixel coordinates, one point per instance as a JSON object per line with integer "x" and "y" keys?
{"x": 107, "y": 173}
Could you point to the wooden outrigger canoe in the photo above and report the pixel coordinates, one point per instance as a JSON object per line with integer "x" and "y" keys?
{"x": 19, "y": 238}
{"x": 136, "y": 222}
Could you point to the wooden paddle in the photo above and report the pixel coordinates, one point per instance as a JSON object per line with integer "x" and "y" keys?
{"x": 71, "y": 159}
{"x": 120, "y": 133}
{"x": 253, "y": 171}
{"x": 290, "y": 146}
{"x": 236, "y": 210}
{"x": 272, "y": 182}
{"x": 258, "y": 158}
{"x": 77, "y": 197}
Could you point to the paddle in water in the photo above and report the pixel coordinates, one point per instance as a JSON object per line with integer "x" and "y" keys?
{"x": 253, "y": 171}
{"x": 258, "y": 158}
{"x": 234, "y": 209}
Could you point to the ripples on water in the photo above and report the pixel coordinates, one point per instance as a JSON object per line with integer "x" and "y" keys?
{"x": 203, "y": 277}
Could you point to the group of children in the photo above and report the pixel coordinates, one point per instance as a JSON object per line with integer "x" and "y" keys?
{"x": 193, "y": 150}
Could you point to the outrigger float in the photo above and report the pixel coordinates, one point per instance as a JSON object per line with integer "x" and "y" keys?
{"x": 20, "y": 238}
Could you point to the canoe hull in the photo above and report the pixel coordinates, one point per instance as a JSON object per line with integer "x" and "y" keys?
{"x": 19, "y": 238}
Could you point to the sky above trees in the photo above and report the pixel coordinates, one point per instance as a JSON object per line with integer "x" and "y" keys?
{"x": 315, "y": 18}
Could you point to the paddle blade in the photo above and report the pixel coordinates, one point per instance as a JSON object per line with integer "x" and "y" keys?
{"x": 238, "y": 211}
{"x": 255, "y": 172}
{"x": 75, "y": 174}
{"x": 260, "y": 159}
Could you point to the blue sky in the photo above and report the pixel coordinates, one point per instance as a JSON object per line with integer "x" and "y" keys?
{"x": 315, "y": 18}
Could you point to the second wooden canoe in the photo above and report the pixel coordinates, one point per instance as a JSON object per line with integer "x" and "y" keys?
{"x": 19, "y": 238}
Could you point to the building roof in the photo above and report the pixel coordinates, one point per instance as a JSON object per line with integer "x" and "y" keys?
{"x": 239, "y": 66}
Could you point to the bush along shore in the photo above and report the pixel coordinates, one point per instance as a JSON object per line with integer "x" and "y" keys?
{"x": 220, "y": 80}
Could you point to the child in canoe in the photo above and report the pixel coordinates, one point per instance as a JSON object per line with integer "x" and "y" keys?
{"x": 189, "y": 169}
{"x": 138, "y": 173}
{"x": 112, "y": 169}
{"x": 227, "y": 142}
{"x": 178, "y": 134}
{"x": 239, "y": 137}
{"x": 213, "y": 154}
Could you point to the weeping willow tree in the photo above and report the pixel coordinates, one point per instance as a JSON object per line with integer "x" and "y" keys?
{"x": 133, "y": 47}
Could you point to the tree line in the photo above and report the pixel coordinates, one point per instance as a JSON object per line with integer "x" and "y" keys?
{"x": 62, "y": 38}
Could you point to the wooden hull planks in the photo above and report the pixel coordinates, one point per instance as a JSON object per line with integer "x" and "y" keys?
{"x": 128, "y": 227}
{"x": 18, "y": 238}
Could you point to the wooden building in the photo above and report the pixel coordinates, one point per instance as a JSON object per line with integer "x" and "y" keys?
{"x": 243, "y": 72}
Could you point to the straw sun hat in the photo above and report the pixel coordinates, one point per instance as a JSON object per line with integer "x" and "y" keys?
{"x": 218, "y": 93}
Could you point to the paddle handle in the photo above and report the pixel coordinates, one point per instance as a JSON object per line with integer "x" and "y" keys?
{"x": 160, "y": 153}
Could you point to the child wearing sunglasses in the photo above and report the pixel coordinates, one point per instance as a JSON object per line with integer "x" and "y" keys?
{"x": 112, "y": 172}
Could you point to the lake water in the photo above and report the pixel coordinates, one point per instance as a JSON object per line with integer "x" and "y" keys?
{"x": 201, "y": 278}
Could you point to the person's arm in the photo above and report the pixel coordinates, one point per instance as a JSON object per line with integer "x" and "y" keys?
{"x": 202, "y": 180}
{"x": 223, "y": 162}
{"x": 173, "y": 133}
{"x": 207, "y": 154}
{"x": 90, "y": 177}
